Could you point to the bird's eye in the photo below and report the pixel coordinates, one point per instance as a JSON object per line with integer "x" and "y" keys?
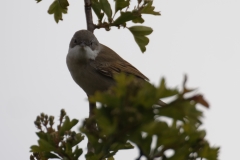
{"x": 91, "y": 43}
{"x": 75, "y": 41}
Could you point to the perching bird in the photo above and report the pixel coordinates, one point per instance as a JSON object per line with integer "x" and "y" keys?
{"x": 93, "y": 65}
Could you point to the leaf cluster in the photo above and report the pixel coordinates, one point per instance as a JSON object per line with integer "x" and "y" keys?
{"x": 57, "y": 8}
{"x": 102, "y": 8}
{"x": 130, "y": 115}
{"x": 58, "y": 143}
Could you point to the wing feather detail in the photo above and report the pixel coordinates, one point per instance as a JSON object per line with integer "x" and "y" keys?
{"x": 109, "y": 63}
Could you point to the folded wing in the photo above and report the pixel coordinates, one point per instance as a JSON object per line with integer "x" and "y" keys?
{"x": 109, "y": 63}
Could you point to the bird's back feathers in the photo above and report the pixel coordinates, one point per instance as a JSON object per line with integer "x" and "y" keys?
{"x": 111, "y": 63}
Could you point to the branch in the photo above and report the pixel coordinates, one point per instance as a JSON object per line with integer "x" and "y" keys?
{"x": 88, "y": 12}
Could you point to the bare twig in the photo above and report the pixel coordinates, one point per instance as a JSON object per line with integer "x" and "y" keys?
{"x": 88, "y": 12}
{"x": 92, "y": 126}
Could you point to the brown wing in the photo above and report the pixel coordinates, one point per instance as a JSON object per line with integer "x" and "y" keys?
{"x": 109, "y": 63}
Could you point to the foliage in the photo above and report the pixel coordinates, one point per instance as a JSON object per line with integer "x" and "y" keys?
{"x": 129, "y": 115}
{"x": 58, "y": 143}
{"x": 103, "y": 8}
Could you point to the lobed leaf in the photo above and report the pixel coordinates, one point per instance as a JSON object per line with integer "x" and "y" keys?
{"x": 181, "y": 109}
{"x": 139, "y": 34}
{"x": 164, "y": 92}
{"x": 120, "y": 4}
{"x": 63, "y": 3}
{"x": 42, "y": 135}
{"x": 57, "y": 8}
{"x": 149, "y": 9}
{"x": 46, "y": 146}
{"x": 67, "y": 125}
{"x": 124, "y": 17}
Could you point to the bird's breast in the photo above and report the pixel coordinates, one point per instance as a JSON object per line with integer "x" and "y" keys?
{"x": 87, "y": 77}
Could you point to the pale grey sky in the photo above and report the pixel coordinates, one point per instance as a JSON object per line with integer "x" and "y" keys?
{"x": 199, "y": 38}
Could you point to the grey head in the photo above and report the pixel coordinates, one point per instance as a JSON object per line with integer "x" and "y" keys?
{"x": 84, "y": 45}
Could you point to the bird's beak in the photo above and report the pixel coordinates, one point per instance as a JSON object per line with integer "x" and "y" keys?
{"x": 82, "y": 44}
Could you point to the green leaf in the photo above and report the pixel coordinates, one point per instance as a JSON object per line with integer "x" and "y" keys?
{"x": 155, "y": 127}
{"x": 124, "y": 17}
{"x": 111, "y": 154}
{"x": 64, "y": 3}
{"x": 42, "y": 135}
{"x": 139, "y": 34}
{"x": 50, "y": 155}
{"x": 120, "y": 4}
{"x": 97, "y": 9}
{"x": 46, "y": 146}
{"x": 68, "y": 149}
{"x": 77, "y": 152}
{"x": 181, "y": 109}
{"x": 110, "y": 158}
{"x": 45, "y": 143}
{"x": 73, "y": 122}
{"x": 38, "y": 1}
{"x": 139, "y": 19}
{"x": 149, "y": 9}
{"x": 128, "y": 146}
{"x": 58, "y": 7}
{"x": 91, "y": 156}
{"x": 106, "y": 8}
{"x": 35, "y": 148}
{"x": 209, "y": 153}
{"x": 67, "y": 125}
{"x": 144, "y": 143}
{"x": 164, "y": 92}
{"x": 128, "y": 16}
{"x": 119, "y": 146}
{"x": 77, "y": 139}
{"x": 140, "y": 30}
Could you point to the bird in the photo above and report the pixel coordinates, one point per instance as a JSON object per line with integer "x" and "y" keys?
{"x": 93, "y": 65}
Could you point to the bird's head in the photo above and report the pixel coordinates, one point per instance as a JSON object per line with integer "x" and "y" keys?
{"x": 84, "y": 45}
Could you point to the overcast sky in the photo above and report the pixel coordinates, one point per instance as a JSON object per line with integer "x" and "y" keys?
{"x": 200, "y": 38}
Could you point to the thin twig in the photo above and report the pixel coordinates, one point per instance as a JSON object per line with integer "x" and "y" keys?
{"x": 88, "y": 12}
{"x": 91, "y": 127}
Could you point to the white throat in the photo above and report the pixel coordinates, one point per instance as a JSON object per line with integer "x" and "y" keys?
{"x": 82, "y": 53}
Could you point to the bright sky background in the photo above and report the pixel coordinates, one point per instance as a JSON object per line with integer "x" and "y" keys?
{"x": 198, "y": 37}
